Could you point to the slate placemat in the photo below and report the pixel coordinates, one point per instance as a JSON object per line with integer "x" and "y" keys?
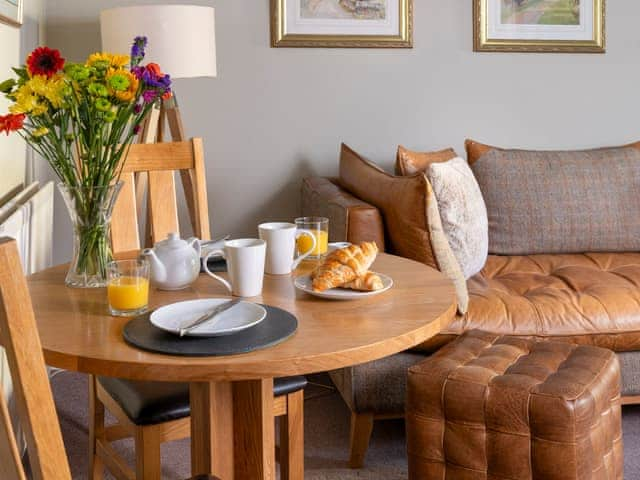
{"x": 277, "y": 326}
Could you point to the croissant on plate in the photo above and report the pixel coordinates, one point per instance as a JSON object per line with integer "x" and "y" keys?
{"x": 344, "y": 265}
{"x": 368, "y": 282}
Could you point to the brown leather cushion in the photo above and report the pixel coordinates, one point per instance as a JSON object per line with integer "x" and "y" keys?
{"x": 409, "y": 162}
{"x": 497, "y": 407}
{"x": 585, "y": 298}
{"x": 402, "y": 201}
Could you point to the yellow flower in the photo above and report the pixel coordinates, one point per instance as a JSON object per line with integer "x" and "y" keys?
{"x": 50, "y": 88}
{"x": 27, "y": 101}
{"x": 129, "y": 94}
{"x": 110, "y": 59}
{"x": 39, "y": 132}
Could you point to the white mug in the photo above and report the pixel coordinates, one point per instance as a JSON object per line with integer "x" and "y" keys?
{"x": 245, "y": 266}
{"x": 281, "y": 246}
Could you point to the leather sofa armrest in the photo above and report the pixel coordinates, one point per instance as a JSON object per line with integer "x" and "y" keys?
{"x": 350, "y": 219}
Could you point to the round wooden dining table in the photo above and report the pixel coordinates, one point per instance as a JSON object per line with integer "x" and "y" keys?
{"x": 232, "y": 428}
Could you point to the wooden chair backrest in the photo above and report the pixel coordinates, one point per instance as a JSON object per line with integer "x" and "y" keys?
{"x": 19, "y": 336}
{"x": 160, "y": 161}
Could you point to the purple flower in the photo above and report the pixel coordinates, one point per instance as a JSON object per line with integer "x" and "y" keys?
{"x": 137, "y": 108}
{"x": 137, "y": 50}
{"x": 136, "y": 129}
{"x": 138, "y": 71}
{"x": 158, "y": 81}
{"x": 149, "y": 96}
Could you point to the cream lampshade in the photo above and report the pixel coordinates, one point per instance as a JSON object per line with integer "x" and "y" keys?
{"x": 181, "y": 37}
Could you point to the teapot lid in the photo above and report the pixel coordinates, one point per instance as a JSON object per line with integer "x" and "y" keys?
{"x": 172, "y": 242}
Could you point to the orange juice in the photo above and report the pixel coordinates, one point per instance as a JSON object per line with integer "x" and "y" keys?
{"x": 128, "y": 293}
{"x": 322, "y": 243}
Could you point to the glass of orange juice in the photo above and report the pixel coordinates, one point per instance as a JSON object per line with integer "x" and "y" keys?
{"x": 319, "y": 227}
{"x": 128, "y": 287}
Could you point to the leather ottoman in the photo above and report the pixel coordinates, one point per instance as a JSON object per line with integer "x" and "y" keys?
{"x": 492, "y": 407}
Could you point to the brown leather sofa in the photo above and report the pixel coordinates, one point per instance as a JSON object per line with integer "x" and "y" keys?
{"x": 581, "y": 298}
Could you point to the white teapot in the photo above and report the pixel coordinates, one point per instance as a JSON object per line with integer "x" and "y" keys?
{"x": 175, "y": 263}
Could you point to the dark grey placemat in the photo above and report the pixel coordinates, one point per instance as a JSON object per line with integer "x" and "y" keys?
{"x": 275, "y": 328}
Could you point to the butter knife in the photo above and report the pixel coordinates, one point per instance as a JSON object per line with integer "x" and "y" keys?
{"x": 208, "y": 315}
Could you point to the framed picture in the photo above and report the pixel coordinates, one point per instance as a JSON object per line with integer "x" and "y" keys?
{"x": 539, "y": 26}
{"x": 342, "y": 23}
{"x": 11, "y": 12}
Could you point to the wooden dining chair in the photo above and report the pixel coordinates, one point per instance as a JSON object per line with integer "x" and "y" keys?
{"x": 38, "y": 418}
{"x": 157, "y": 412}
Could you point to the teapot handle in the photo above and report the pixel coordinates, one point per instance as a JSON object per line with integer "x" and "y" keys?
{"x": 195, "y": 243}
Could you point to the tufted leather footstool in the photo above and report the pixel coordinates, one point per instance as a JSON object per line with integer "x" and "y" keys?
{"x": 492, "y": 407}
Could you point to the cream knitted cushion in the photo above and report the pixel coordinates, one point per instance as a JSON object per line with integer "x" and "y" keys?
{"x": 462, "y": 211}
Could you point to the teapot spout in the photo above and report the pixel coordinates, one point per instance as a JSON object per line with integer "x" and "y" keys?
{"x": 158, "y": 270}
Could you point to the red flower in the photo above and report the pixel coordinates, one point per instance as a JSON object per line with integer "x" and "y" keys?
{"x": 154, "y": 69}
{"x": 44, "y": 61}
{"x": 11, "y": 122}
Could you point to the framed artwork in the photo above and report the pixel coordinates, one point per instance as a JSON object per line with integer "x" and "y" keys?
{"x": 342, "y": 23}
{"x": 572, "y": 26}
{"x": 11, "y": 12}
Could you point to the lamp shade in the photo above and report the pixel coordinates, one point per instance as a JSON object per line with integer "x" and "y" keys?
{"x": 181, "y": 37}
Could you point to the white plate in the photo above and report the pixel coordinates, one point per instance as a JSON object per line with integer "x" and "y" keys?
{"x": 303, "y": 283}
{"x": 239, "y": 317}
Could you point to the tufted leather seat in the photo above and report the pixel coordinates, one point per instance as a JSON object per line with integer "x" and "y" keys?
{"x": 584, "y": 298}
{"x": 487, "y": 406}
{"x": 150, "y": 403}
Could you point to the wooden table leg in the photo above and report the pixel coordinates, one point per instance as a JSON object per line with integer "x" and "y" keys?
{"x": 254, "y": 433}
{"x": 212, "y": 429}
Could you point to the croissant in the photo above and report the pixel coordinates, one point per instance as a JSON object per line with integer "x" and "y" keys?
{"x": 344, "y": 265}
{"x": 369, "y": 282}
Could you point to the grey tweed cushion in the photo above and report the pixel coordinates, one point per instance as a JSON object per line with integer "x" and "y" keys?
{"x": 561, "y": 202}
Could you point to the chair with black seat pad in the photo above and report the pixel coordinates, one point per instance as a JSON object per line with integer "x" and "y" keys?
{"x": 36, "y": 408}
{"x": 157, "y": 412}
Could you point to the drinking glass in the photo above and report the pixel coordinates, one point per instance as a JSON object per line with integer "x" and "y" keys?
{"x": 128, "y": 287}
{"x": 319, "y": 227}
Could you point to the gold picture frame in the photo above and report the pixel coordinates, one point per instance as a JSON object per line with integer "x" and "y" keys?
{"x": 11, "y": 12}
{"x": 281, "y": 37}
{"x": 483, "y": 41}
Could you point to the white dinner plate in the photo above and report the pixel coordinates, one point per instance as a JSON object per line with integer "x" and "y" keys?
{"x": 239, "y": 317}
{"x": 303, "y": 283}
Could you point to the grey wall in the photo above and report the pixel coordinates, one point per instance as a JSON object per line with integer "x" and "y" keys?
{"x": 275, "y": 115}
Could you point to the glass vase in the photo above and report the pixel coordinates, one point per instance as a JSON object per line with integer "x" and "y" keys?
{"x": 90, "y": 209}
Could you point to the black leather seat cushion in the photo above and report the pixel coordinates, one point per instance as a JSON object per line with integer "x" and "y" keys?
{"x": 149, "y": 403}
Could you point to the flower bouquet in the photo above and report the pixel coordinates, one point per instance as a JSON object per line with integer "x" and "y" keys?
{"x": 82, "y": 118}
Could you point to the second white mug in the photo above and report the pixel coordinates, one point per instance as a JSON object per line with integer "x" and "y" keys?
{"x": 245, "y": 266}
{"x": 281, "y": 246}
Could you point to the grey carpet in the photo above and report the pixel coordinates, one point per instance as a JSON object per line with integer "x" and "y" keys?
{"x": 326, "y": 437}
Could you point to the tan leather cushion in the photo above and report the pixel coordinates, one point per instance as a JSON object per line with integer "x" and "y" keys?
{"x": 587, "y": 298}
{"x": 410, "y": 214}
{"x": 491, "y": 407}
{"x": 409, "y": 162}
